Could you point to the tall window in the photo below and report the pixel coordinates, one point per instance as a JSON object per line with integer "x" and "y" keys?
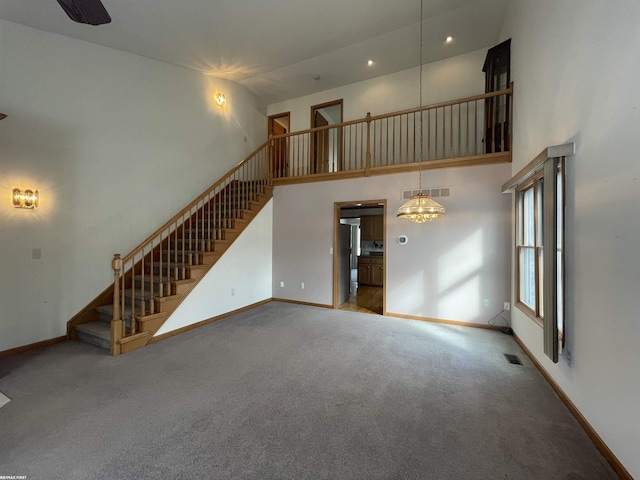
{"x": 560, "y": 250}
{"x": 530, "y": 245}
{"x": 528, "y": 248}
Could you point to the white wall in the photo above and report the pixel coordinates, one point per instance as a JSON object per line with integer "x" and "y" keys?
{"x": 444, "y": 80}
{"x": 245, "y": 267}
{"x": 445, "y": 271}
{"x": 472, "y": 241}
{"x": 116, "y": 144}
{"x": 576, "y": 66}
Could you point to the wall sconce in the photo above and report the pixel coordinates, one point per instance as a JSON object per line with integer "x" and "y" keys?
{"x": 220, "y": 98}
{"x": 25, "y": 198}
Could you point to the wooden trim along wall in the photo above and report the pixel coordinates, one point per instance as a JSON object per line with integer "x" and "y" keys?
{"x": 599, "y": 443}
{"x": 478, "y": 160}
{"x": 297, "y": 302}
{"x": 32, "y": 346}
{"x": 172, "y": 333}
{"x": 52, "y": 341}
{"x": 443, "y": 321}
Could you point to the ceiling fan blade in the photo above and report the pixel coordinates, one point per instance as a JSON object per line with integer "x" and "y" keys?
{"x": 91, "y": 12}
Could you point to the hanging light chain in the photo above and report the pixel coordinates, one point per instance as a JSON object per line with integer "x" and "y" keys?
{"x": 420, "y": 208}
{"x": 420, "y": 103}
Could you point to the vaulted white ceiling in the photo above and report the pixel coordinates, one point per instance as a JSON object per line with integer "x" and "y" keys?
{"x": 280, "y": 49}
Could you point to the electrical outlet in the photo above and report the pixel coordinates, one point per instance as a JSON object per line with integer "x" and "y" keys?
{"x": 507, "y": 306}
{"x": 486, "y": 303}
{"x": 281, "y": 284}
{"x": 302, "y": 285}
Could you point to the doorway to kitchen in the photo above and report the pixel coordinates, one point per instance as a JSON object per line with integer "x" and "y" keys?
{"x": 359, "y": 261}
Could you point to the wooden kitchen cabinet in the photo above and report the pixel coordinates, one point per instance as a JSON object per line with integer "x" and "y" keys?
{"x": 371, "y": 271}
{"x": 364, "y": 270}
{"x": 378, "y": 228}
{"x": 377, "y": 272}
{"x": 371, "y": 228}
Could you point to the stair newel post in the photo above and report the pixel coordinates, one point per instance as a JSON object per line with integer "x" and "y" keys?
{"x": 117, "y": 324}
{"x": 368, "y": 154}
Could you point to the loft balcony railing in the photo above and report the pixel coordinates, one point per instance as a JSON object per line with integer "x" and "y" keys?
{"x": 469, "y": 131}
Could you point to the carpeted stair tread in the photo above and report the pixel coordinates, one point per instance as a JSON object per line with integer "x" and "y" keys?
{"x": 97, "y": 333}
{"x": 108, "y": 309}
{"x": 106, "y": 314}
{"x": 148, "y": 278}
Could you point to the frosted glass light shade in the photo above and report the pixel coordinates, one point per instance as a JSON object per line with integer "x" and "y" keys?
{"x": 420, "y": 209}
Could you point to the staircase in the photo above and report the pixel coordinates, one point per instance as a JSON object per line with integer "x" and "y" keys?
{"x": 151, "y": 281}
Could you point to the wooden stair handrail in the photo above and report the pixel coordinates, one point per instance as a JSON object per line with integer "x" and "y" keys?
{"x": 193, "y": 203}
{"x": 154, "y": 278}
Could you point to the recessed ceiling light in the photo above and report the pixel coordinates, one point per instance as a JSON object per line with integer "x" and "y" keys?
{"x": 370, "y": 62}
{"x": 449, "y": 39}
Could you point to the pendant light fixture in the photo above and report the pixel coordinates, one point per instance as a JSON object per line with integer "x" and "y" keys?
{"x": 420, "y": 208}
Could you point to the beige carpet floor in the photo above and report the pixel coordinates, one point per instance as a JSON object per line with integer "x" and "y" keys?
{"x": 292, "y": 392}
